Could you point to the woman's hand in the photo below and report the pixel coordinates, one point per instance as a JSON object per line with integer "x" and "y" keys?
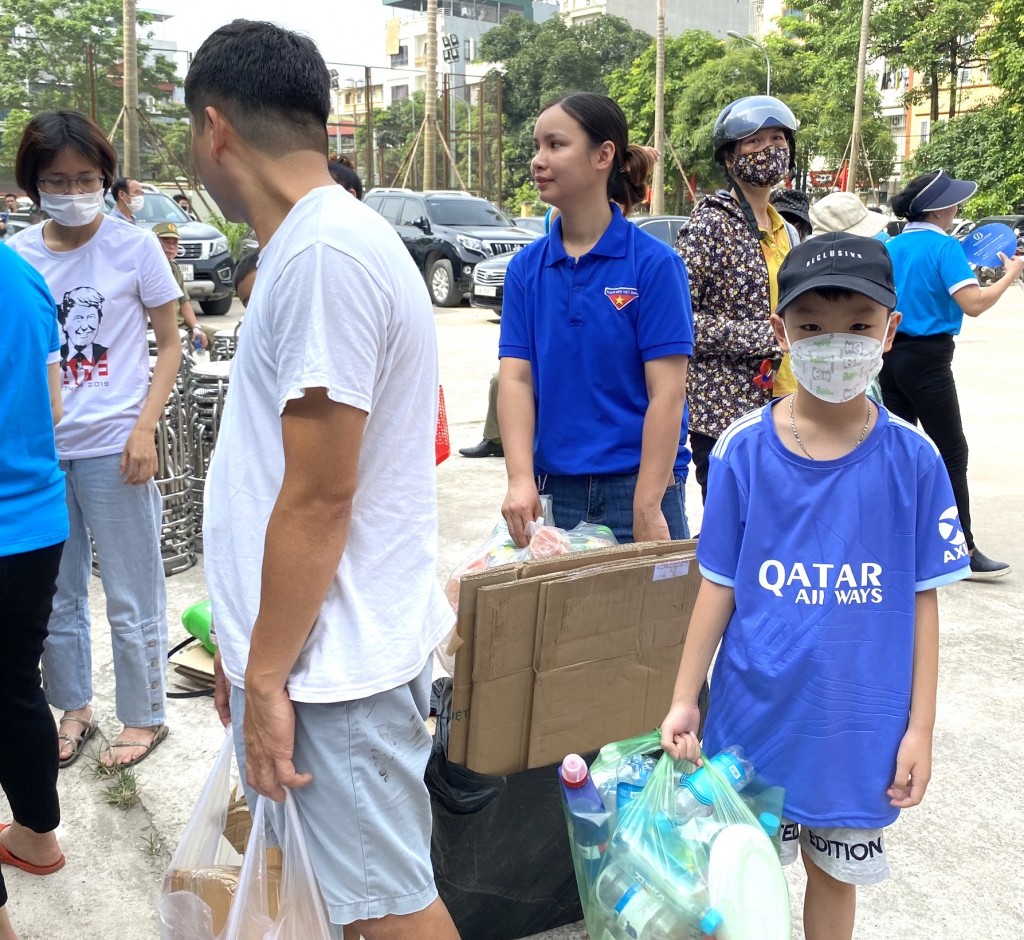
{"x": 138, "y": 459}
{"x": 649, "y": 525}
{"x": 679, "y": 732}
{"x": 522, "y": 505}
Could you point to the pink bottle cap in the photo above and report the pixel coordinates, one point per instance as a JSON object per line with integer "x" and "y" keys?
{"x": 574, "y": 771}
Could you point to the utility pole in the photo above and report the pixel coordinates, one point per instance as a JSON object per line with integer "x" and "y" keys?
{"x": 658, "y": 188}
{"x": 131, "y": 166}
{"x": 856, "y": 143}
{"x": 430, "y": 98}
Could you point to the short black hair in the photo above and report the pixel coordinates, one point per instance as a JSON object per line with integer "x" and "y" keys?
{"x": 120, "y": 186}
{"x": 11, "y": 195}
{"x": 343, "y": 174}
{"x": 270, "y": 83}
{"x": 178, "y": 197}
{"x": 48, "y": 135}
{"x": 246, "y": 266}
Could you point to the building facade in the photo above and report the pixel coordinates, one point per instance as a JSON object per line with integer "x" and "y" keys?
{"x": 715, "y": 16}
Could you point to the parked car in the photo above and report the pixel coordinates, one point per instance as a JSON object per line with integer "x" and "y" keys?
{"x": 448, "y": 234}
{"x": 532, "y": 223}
{"x": 663, "y": 227}
{"x": 203, "y": 254}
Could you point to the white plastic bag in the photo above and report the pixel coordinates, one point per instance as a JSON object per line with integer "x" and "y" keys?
{"x": 183, "y": 914}
{"x": 300, "y": 912}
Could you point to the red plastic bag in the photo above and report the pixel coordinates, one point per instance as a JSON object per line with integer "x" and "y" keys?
{"x": 442, "y": 445}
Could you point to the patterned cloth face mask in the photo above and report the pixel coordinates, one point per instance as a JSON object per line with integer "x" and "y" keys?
{"x": 836, "y": 367}
{"x": 764, "y": 168}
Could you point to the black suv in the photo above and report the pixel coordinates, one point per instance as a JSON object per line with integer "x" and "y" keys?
{"x": 203, "y": 254}
{"x": 447, "y": 233}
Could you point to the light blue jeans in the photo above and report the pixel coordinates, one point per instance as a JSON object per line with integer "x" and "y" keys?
{"x": 125, "y": 523}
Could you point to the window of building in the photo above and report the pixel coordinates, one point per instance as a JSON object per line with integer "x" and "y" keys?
{"x": 399, "y": 93}
{"x": 402, "y": 58}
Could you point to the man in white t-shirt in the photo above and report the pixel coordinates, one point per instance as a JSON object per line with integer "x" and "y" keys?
{"x": 321, "y": 520}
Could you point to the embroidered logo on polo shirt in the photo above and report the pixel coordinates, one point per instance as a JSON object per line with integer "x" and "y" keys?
{"x": 621, "y": 296}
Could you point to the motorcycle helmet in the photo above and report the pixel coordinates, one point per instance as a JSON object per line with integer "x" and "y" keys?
{"x": 747, "y": 116}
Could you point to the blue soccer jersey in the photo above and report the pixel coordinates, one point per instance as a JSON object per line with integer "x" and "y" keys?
{"x": 813, "y": 677}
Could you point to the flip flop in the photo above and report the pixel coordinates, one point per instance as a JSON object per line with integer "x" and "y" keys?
{"x": 90, "y": 726}
{"x": 6, "y": 858}
{"x": 159, "y": 735}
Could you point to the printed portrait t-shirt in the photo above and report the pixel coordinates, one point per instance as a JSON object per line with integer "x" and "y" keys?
{"x": 102, "y": 290}
{"x": 338, "y": 304}
{"x": 825, "y": 557}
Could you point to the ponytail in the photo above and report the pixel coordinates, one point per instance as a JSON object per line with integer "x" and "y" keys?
{"x": 628, "y": 185}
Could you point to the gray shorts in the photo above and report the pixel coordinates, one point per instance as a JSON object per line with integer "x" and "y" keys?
{"x": 853, "y": 856}
{"x": 366, "y": 815}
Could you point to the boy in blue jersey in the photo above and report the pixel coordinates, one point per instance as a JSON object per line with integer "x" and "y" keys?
{"x": 828, "y": 526}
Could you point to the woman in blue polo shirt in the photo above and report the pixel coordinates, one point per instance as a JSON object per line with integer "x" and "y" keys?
{"x": 935, "y": 287}
{"x": 596, "y": 335}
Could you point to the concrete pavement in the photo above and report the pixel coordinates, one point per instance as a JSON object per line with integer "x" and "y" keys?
{"x": 955, "y": 859}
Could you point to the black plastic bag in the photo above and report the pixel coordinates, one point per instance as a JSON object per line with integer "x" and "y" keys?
{"x": 499, "y": 847}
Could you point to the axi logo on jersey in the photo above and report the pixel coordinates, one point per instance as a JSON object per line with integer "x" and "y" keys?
{"x": 953, "y": 535}
{"x": 821, "y": 582}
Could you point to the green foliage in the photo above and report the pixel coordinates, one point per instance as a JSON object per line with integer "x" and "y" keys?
{"x": 1003, "y": 42}
{"x": 44, "y": 57}
{"x": 527, "y": 192}
{"x": 986, "y": 146}
{"x": 13, "y": 128}
{"x": 234, "y": 231}
{"x": 543, "y": 61}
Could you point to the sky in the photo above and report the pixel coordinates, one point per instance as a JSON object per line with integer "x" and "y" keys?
{"x": 347, "y": 31}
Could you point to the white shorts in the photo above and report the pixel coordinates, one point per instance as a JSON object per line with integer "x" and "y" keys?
{"x": 853, "y": 856}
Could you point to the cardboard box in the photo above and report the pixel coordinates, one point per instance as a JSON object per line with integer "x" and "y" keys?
{"x": 567, "y": 654}
{"x": 216, "y": 886}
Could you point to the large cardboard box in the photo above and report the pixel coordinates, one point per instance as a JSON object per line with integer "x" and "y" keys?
{"x": 568, "y": 654}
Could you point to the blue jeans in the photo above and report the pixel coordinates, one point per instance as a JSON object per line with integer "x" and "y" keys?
{"x": 608, "y": 500}
{"x": 124, "y": 521}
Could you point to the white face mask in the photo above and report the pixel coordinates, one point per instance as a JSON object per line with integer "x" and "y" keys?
{"x": 836, "y": 367}
{"x": 72, "y": 211}
{"x": 136, "y": 203}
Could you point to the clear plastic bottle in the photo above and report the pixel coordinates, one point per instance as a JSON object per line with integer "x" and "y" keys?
{"x": 638, "y": 909}
{"x": 695, "y": 798}
{"x": 634, "y": 772}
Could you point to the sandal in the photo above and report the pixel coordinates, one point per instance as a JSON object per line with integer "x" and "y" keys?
{"x": 9, "y": 858}
{"x": 160, "y": 732}
{"x": 89, "y": 728}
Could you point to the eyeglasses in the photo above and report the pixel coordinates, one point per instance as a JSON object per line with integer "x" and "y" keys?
{"x": 61, "y": 185}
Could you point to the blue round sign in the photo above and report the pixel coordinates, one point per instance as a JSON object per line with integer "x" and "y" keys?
{"x": 983, "y": 244}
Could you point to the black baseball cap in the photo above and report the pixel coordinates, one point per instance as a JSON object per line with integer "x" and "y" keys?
{"x": 838, "y": 260}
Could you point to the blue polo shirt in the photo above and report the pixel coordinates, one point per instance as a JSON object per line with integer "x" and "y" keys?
{"x": 33, "y": 513}
{"x": 930, "y": 267}
{"x": 587, "y": 327}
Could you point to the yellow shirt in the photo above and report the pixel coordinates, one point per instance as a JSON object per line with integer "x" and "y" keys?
{"x": 775, "y": 245}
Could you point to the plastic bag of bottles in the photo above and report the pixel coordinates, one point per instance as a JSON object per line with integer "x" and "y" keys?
{"x": 546, "y": 541}
{"x": 688, "y": 856}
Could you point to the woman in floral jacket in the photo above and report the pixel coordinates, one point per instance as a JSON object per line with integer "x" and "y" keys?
{"x": 733, "y": 246}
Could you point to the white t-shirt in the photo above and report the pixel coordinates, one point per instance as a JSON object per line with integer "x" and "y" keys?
{"x": 102, "y": 290}
{"x": 337, "y": 304}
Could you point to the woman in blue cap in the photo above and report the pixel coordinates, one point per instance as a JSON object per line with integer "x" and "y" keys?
{"x": 935, "y": 287}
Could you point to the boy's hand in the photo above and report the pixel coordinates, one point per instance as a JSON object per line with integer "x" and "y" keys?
{"x": 913, "y": 769}
{"x": 679, "y": 732}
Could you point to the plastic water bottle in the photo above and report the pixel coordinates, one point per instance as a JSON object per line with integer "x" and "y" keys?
{"x": 590, "y": 824}
{"x": 642, "y": 907}
{"x": 634, "y": 772}
{"x": 695, "y": 797}
{"x": 199, "y": 354}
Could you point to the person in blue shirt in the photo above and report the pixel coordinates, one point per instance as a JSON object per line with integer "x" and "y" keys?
{"x": 596, "y": 335}
{"x": 33, "y": 528}
{"x": 828, "y": 526}
{"x": 937, "y": 287}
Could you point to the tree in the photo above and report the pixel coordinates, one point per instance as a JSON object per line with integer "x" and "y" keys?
{"x": 1003, "y": 42}
{"x": 937, "y": 38}
{"x": 13, "y": 128}
{"x": 543, "y": 61}
{"x": 44, "y": 57}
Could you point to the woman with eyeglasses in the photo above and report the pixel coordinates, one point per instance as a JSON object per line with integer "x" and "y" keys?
{"x": 107, "y": 279}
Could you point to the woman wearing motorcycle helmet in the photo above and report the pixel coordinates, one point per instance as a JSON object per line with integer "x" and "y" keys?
{"x": 733, "y": 246}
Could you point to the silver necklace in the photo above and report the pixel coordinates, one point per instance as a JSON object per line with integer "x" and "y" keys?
{"x": 796, "y": 435}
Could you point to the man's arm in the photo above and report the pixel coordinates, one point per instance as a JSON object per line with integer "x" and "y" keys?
{"x": 187, "y": 315}
{"x": 306, "y": 536}
{"x": 914, "y": 758}
{"x": 666, "y": 392}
